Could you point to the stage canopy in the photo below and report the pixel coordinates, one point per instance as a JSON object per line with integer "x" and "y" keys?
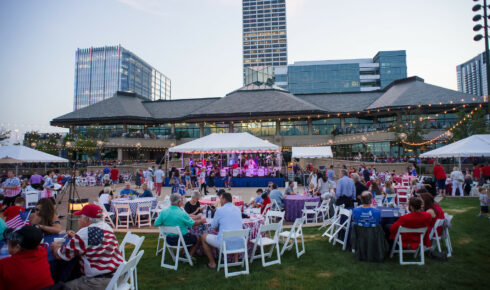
{"x": 22, "y": 154}
{"x": 473, "y": 146}
{"x": 227, "y": 143}
{"x": 312, "y": 152}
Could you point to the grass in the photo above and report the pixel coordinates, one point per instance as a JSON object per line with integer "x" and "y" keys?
{"x": 327, "y": 266}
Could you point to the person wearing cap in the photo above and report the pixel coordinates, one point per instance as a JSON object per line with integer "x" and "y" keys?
{"x": 96, "y": 246}
{"x": 127, "y": 190}
{"x": 28, "y": 266}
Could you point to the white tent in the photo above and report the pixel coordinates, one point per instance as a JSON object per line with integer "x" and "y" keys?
{"x": 27, "y": 155}
{"x": 227, "y": 143}
{"x": 473, "y": 146}
{"x": 312, "y": 152}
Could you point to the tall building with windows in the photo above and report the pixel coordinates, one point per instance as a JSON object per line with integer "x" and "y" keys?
{"x": 264, "y": 34}
{"x": 472, "y": 76}
{"x": 102, "y": 71}
{"x": 348, "y": 75}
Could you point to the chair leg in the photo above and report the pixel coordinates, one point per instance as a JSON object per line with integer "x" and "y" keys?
{"x": 253, "y": 251}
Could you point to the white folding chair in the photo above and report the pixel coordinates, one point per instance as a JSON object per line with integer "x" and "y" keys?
{"x": 32, "y": 197}
{"x": 405, "y": 181}
{"x": 275, "y": 205}
{"x": 136, "y": 241}
{"x": 156, "y": 211}
{"x": 274, "y": 216}
{"x": 322, "y": 210}
{"x": 310, "y": 209}
{"x": 106, "y": 216}
{"x": 262, "y": 241}
{"x": 92, "y": 181}
{"x": 295, "y": 233}
{"x": 331, "y": 219}
{"x": 165, "y": 231}
{"x": 143, "y": 214}
{"x": 124, "y": 277}
{"x": 224, "y": 252}
{"x": 445, "y": 233}
{"x": 398, "y": 242}
{"x": 434, "y": 235}
{"x": 379, "y": 199}
{"x": 266, "y": 209}
{"x": 402, "y": 196}
{"x": 390, "y": 199}
{"x": 338, "y": 226}
{"x": 123, "y": 211}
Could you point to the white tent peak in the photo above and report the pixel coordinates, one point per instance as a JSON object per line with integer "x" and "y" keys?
{"x": 473, "y": 146}
{"x": 28, "y": 155}
{"x": 312, "y": 152}
{"x": 226, "y": 143}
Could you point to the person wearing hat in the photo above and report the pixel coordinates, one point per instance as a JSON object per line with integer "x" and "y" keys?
{"x": 28, "y": 266}
{"x": 149, "y": 178}
{"x": 96, "y": 246}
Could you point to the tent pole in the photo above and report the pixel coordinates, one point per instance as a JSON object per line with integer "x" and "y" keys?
{"x": 459, "y": 163}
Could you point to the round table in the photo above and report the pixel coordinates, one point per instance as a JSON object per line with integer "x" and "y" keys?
{"x": 133, "y": 203}
{"x": 294, "y": 204}
{"x": 207, "y": 201}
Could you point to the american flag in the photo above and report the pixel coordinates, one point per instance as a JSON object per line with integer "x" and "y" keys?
{"x": 18, "y": 221}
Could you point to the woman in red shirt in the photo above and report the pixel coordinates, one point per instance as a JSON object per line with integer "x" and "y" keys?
{"x": 440, "y": 176}
{"x": 266, "y": 201}
{"x": 434, "y": 209}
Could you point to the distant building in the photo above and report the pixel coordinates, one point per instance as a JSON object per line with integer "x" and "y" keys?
{"x": 350, "y": 75}
{"x": 472, "y": 76}
{"x": 264, "y": 34}
{"x": 102, "y": 71}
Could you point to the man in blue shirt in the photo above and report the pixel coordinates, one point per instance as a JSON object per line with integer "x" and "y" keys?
{"x": 227, "y": 218}
{"x": 346, "y": 191}
{"x": 366, "y": 216}
{"x": 277, "y": 196}
{"x": 331, "y": 174}
{"x": 127, "y": 190}
{"x": 146, "y": 192}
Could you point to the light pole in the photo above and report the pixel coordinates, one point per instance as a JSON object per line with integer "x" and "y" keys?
{"x": 478, "y": 37}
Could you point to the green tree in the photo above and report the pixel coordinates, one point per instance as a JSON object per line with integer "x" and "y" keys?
{"x": 475, "y": 124}
{"x": 412, "y": 133}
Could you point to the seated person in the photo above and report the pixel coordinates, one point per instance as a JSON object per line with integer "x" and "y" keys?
{"x": 218, "y": 203}
{"x": 366, "y": 216}
{"x": 434, "y": 209}
{"x": 193, "y": 207}
{"x": 13, "y": 211}
{"x": 290, "y": 189}
{"x": 27, "y": 267}
{"x": 94, "y": 240}
{"x": 257, "y": 202}
{"x": 44, "y": 216}
{"x": 173, "y": 216}
{"x": 226, "y": 218}
{"x": 417, "y": 218}
{"x": 105, "y": 197}
{"x": 265, "y": 202}
{"x": 276, "y": 194}
{"x": 127, "y": 191}
{"x": 146, "y": 192}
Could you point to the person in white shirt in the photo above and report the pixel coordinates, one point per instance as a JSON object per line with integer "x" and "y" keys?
{"x": 149, "y": 178}
{"x": 457, "y": 179}
{"x": 159, "y": 180}
{"x": 313, "y": 178}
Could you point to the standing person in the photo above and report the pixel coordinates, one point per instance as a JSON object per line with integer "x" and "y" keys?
{"x": 137, "y": 179}
{"x": 331, "y": 178}
{"x": 193, "y": 176}
{"x": 11, "y": 187}
{"x": 313, "y": 178}
{"x": 35, "y": 181}
{"x": 229, "y": 176}
{"x": 211, "y": 180}
{"x": 149, "y": 178}
{"x": 202, "y": 181}
{"x": 187, "y": 178}
{"x": 485, "y": 172}
{"x": 483, "y": 197}
{"x": 477, "y": 174}
{"x": 440, "y": 176}
{"x": 346, "y": 190}
{"x": 159, "y": 180}
{"x": 177, "y": 181}
{"x": 457, "y": 179}
{"x": 360, "y": 188}
{"x": 114, "y": 176}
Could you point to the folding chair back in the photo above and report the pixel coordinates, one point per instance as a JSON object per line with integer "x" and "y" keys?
{"x": 293, "y": 235}
{"x": 123, "y": 210}
{"x": 131, "y": 239}
{"x": 124, "y": 278}
{"x": 342, "y": 226}
{"x": 273, "y": 216}
{"x": 143, "y": 214}
{"x": 275, "y": 205}
{"x": 165, "y": 231}
{"x": 309, "y": 209}
{"x": 266, "y": 209}
{"x": 32, "y": 197}
{"x": 390, "y": 199}
{"x": 434, "y": 234}
{"x": 398, "y": 242}
{"x": 224, "y": 251}
{"x": 445, "y": 233}
{"x": 379, "y": 199}
{"x": 402, "y": 196}
{"x": 262, "y": 241}
{"x": 107, "y": 216}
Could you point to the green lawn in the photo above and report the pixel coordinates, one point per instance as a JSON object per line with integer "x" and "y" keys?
{"x": 324, "y": 265}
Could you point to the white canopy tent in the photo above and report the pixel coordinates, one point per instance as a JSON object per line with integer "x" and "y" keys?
{"x": 312, "y": 152}
{"x": 227, "y": 143}
{"x": 16, "y": 154}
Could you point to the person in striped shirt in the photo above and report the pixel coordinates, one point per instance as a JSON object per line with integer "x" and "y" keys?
{"x": 96, "y": 246}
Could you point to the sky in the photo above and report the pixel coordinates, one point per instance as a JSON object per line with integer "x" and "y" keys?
{"x": 197, "y": 43}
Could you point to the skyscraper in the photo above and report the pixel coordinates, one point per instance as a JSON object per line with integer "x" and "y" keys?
{"x": 264, "y": 34}
{"x": 472, "y": 76}
{"x": 101, "y": 71}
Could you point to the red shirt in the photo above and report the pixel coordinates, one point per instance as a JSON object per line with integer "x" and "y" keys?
{"x": 412, "y": 220}
{"x": 264, "y": 204}
{"x": 485, "y": 170}
{"x": 28, "y": 269}
{"x": 12, "y": 211}
{"x": 439, "y": 215}
{"x": 476, "y": 172}
{"x": 439, "y": 172}
{"x": 114, "y": 174}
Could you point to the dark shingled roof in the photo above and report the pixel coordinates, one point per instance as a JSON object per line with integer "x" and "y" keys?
{"x": 247, "y": 101}
{"x": 175, "y": 109}
{"x": 414, "y": 91}
{"x": 342, "y": 102}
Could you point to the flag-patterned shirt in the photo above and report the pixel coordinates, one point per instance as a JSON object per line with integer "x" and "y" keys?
{"x": 97, "y": 247}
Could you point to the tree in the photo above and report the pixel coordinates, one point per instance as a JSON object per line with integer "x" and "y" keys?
{"x": 413, "y": 133}
{"x": 475, "y": 124}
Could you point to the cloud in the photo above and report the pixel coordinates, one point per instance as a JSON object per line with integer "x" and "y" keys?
{"x": 148, "y": 6}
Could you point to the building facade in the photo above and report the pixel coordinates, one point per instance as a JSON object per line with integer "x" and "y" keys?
{"x": 350, "y": 75}
{"x": 102, "y": 71}
{"x": 472, "y": 76}
{"x": 264, "y": 34}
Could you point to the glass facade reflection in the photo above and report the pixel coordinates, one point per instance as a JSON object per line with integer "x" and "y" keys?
{"x": 187, "y": 130}
{"x": 210, "y": 128}
{"x": 101, "y": 71}
{"x": 256, "y": 128}
{"x": 291, "y": 128}
{"x": 325, "y": 126}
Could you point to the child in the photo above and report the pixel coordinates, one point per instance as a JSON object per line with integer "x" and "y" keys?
{"x": 483, "y": 202}
{"x": 13, "y": 211}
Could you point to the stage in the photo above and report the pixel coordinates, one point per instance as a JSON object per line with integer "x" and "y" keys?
{"x": 243, "y": 181}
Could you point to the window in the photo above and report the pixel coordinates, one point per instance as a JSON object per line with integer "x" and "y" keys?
{"x": 187, "y": 130}
{"x": 256, "y": 128}
{"x": 292, "y": 128}
{"x": 216, "y": 128}
{"x": 325, "y": 126}
{"x": 161, "y": 130}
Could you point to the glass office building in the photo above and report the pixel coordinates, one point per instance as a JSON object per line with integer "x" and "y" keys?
{"x": 472, "y": 76}
{"x": 350, "y": 75}
{"x": 264, "y": 34}
{"x": 101, "y": 71}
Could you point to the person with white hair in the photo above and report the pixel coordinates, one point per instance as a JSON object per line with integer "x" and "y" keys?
{"x": 193, "y": 207}
{"x": 457, "y": 179}
{"x": 149, "y": 178}
{"x": 96, "y": 246}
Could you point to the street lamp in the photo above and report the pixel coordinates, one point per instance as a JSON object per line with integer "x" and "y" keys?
{"x": 478, "y": 37}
